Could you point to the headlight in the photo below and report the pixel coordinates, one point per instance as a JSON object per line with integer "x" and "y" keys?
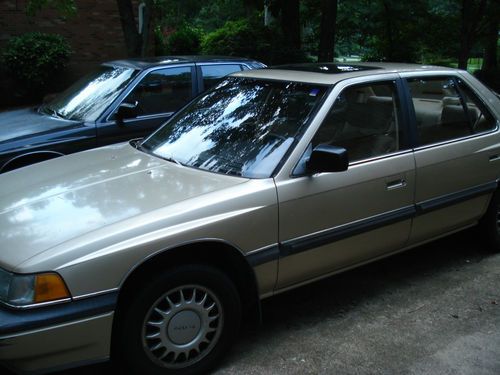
{"x": 22, "y": 290}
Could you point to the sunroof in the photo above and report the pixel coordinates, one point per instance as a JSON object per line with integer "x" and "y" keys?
{"x": 326, "y": 68}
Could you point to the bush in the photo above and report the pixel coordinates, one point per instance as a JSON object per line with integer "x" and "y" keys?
{"x": 35, "y": 60}
{"x": 250, "y": 38}
{"x": 234, "y": 38}
{"x": 184, "y": 41}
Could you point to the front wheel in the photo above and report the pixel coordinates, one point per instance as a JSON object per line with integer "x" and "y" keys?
{"x": 489, "y": 224}
{"x": 179, "y": 322}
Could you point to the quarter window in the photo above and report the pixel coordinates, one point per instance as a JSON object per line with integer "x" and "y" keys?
{"x": 162, "y": 91}
{"x": 479, "y": 116}
{"x": 365, "y": 121}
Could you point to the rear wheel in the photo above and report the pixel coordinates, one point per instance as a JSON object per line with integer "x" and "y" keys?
{"x": 490, "y": 224}
{"x": 179, "y": 322}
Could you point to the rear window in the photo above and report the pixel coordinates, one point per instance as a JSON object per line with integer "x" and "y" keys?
{"x": 213, "y": 74}
{"x": 447, "y": 109}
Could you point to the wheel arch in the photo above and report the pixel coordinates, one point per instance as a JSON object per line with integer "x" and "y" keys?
{"x": 215, "y": 253}
{"x": 24, "y": 159}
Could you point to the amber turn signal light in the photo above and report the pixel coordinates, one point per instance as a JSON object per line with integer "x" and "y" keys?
{"x": 49, "y": 287}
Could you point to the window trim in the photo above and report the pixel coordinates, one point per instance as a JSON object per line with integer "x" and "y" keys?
{"x": 464, "y": 104}
{"x": 460, "y": 139}
{"x": 409, "y": 110}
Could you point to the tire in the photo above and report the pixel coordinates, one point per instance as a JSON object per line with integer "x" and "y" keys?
{"x": 489, "y": 224}
{"x": 179, "y": 322}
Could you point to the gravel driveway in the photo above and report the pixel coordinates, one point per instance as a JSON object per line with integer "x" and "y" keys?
{"x": 432, "y": 310}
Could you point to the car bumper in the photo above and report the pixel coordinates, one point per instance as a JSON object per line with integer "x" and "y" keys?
{"x": 57, "y": 337}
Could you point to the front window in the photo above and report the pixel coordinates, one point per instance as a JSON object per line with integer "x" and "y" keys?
{"x": 365, "y": 121}
{"x": 244, "y": 127}
{"x": 162, "y": 91}
{"x": 87, "y": 98}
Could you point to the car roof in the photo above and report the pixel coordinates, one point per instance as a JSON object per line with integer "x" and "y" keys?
{"x": 148, "y": 62}
{"x": 331, "y": 73}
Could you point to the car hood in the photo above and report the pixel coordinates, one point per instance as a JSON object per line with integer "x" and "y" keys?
{"x": 28, "y": 122}
{"x": 44, "y": 205}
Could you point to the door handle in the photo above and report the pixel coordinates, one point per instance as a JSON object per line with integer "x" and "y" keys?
{"x": 396, "y": 184}
{"x": 494, "y": 157}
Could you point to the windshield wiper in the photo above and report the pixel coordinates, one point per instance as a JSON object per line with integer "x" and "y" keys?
{"x": 172, "y": 160}
{"x": 138, "y": 145}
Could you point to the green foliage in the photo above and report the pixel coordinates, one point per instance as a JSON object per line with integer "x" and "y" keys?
{"x": 381, "y": 30}
{"x": 67, "y": 8}
{"x": 184, "y": 41}
{"x": 214, "y": 14}
{"x": 233, "y": 39}
{"x": 175, "y": 13}
{"x": 250, "y": 38}
{"x": 160, "y": 48}
{"x": 34, "y": 60}
{"x": 206, "y": 15}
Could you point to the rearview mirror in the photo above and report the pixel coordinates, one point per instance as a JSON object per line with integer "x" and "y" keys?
{"x": 326, "y": 158}
{"x": 151, "y": 86}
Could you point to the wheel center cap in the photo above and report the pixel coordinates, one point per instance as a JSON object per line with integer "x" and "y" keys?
{"x": 184, "y": 327}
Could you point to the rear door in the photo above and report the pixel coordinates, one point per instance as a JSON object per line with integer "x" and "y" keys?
{"x": 457, "y": 154}
{"x": 331, "y": 221}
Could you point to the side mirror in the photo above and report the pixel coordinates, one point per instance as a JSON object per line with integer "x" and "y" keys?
{"x": 125, "y": 111}
{"x": 326, "y": 158}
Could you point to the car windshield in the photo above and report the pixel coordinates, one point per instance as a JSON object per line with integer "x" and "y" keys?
{"x": 243, "y": 127}
{"x": 87, "y": 98}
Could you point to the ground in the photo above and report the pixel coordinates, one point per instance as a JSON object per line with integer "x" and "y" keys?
{"x": 432, "y": 310}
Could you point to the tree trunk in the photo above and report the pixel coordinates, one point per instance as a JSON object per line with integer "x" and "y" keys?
{"x": 145, "y": 35}
{"x": 471, "y": 17}
{"x": 327, "y": 30}
{"x": 129, "y": 26}
{"x": 290, "y": 22}
{"x": 252, "y": 5}
{"x": 490, "y": 49}
{"x": 136, "y": 43}
{"x": 465, "y": 34}
{"x": 389, "y": 36}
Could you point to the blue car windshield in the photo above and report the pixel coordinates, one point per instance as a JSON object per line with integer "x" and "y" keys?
{"x": 243, "y": 127}
{"x": 87, "y": 98}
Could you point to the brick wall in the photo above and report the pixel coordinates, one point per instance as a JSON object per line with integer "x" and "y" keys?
{"x": 95, "y": 35}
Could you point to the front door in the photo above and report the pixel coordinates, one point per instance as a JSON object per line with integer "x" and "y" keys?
{"x": 331, "y": 221}
{"x": 157, "y": 96}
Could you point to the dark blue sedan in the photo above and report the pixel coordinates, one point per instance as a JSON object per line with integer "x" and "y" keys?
{"x": 121, "y": 100}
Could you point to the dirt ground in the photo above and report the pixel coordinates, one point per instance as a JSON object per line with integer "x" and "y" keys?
{"x": 432, "y": 310}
